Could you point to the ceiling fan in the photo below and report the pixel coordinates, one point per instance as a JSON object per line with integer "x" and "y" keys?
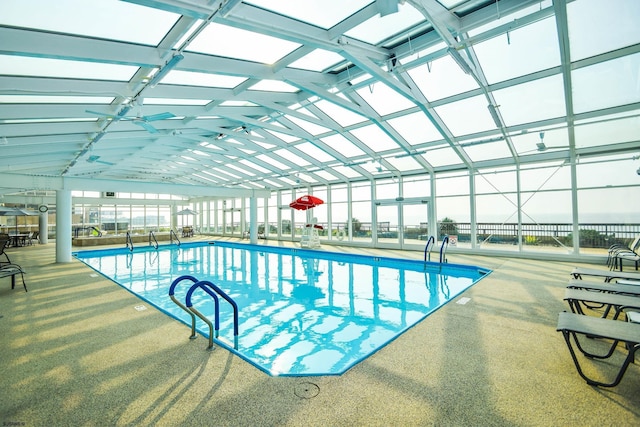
{"x": 541, "y": 146}
{"x": 139, "y": 119}
{"x": 96, "y": 159}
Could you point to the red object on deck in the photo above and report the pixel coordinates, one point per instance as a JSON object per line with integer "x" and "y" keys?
{"x": 305, "y": 202}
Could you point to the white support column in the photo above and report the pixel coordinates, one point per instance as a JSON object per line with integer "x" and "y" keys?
{"x": 253, "y": 222}
{"x": 63, "y": 226}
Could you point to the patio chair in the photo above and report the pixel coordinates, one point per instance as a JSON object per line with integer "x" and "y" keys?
{"x": 612, "y": 288}
{"x": 619, "y": 253}
{"x": 4, "y": 243}
{"x": 572, "y": 325}
{"x": 13, "y": 270}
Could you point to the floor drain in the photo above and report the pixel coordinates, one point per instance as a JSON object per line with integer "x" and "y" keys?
{"x": 307, "y": 390}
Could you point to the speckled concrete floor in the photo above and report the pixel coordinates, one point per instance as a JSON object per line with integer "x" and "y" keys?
{"x": 74, "y": 351}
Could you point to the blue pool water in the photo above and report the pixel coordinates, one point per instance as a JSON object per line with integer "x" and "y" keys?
{"x": 301, "y": 312}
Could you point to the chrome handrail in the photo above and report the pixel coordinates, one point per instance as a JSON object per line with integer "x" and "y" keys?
{"x": 152, "y": 239}
{"x": 129, "y": 242}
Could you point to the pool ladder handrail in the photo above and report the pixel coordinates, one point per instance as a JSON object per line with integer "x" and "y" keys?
{"x": 212, "y": 290}
{"x": 172, "y": 235}
{"x": 152, "y": 239}
{"x": 129, "y": 242}
{"x": 443, "y": 249}
{"x": 427, "y": 250}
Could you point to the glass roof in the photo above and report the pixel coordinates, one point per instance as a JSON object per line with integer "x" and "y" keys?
{"x": 274, "y": 94}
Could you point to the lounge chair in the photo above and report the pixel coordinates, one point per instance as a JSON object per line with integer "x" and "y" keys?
{"x": 608, "y": 275}
{"x": 13, "y": 270}
{"x": 612, "y": 288}
{"x": 572, "y": 325}
{"x": 577, "y": 298}
{"x": 4, "y": 244}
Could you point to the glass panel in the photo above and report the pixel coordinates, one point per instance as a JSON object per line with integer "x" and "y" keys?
{"x": 375, "y": 138}
{"x": 467, "y": 116}
{"x": 342, "y": 145}
{"x": 361, "y": 219}
{"x": 383, "y": 99}
{"x": 387, "y": 224}
{"x": 318, "y": 60}
{"x": 114, "y": 20}
{"x": 415, "y": 128}
{"x": 415, "y": 219}
{"x": 376, "y": 29}
{"x": 417, "y": 187}
{"x": 442, "y": 78}
{"x": 611, "y": 130}
{"x": 341, "y": 115}
{"x": 607, "y": 84}
{"x": 322, "y": 13}
{"x": 441, "y": 156}
{"x": 596, "y": 26}
{"x": 189, "y": 78}
{"x": 510, "y": 55}
{"x": 46, "y": 67}
{"x": 528, "y": 102}
{"x": 312, "y": 128}
{"x": 241, "y": 44}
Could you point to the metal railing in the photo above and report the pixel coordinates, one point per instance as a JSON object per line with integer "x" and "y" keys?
{"x": 173, "y": 236}
{"x": 152, "y": 240}
{"x": 129, "y": 241}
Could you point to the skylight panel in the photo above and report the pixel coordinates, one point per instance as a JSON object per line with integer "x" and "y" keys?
{"x": 274, "y": 86}
{"x": 415, "y": 128}
{"x": 311, "y": 150}
{"x": 349, "y": 172}
{"x": 321, "y": 13}
{"x": 341, "y": 115}
{"x": 596, "y": 27}
{"x": 374, "y": 138}
{"x": 53, "y": 99}
{"x": 377, "y": 29}
{"x": 442, "y": 78}
{"x": 523, "y": 51}
{"x": 46, "y": 67}
{"x": 442, "y": 156}
{"x": 404, "y": 164}
{"x": 292, "y": 157}
{"x": 607, "y": 84}
{"x": 175, "y": 101}
{"x": 488, "y": 151}
{"x": 273, "y": 162}
{"x": 312, "y": 128}
{"x": 529, "y": 102}
{"x": 342, "y": 145}
{"x": 383, "y": 99}
{"x": 189, "y": 78}
{"x": 241, "y": 170}
{"x": 283, "y": 136}
{"x": 326, "y": 175}
{"x": 507, "y": 18}
{"x": 234, "y": 103}
{"x": 255, "y": 166}
{"x": 467, "y": 116}
{"x": 318, "y": 60}
{"x": 241, "y": 44}
{"x": 108, "y": 19}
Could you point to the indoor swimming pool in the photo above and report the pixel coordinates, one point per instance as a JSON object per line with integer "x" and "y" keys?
{"x": 300, "y": 312}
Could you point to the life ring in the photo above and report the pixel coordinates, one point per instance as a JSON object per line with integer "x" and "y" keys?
{"x": 340, "y": 235}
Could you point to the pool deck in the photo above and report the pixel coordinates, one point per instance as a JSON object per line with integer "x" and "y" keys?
{"x": 77, "y": 350}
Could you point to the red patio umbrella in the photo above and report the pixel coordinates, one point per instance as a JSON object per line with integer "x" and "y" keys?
{"x": 305, "y": 202}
